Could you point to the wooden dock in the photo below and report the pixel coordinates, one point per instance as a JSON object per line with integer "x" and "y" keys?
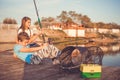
{"x": 15, "y": 69}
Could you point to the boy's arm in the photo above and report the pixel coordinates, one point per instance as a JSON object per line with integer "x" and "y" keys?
{"x": 32, "y": 49}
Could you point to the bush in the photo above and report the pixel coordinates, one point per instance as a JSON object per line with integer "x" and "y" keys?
{"x": 9, "y": 21}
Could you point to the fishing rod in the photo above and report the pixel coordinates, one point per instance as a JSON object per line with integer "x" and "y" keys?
{"x": 40, "y": 25}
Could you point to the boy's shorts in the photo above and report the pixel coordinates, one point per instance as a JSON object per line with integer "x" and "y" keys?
{"x": 35, "y": 59}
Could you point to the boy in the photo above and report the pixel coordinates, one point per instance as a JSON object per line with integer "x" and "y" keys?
{"x": 33, "y": 55}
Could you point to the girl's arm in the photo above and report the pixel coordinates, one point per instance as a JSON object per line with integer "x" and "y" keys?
{"x": 32, "y": 49}
{"x": 32, "y": 38}
{"x": 35, "y": 36}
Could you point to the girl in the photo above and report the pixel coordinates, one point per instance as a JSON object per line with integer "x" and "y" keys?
{"x": 25, "y": 27}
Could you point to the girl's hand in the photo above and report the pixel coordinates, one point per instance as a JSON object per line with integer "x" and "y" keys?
{"x": 40, "y": 32}
{"x": 45, "y": 44}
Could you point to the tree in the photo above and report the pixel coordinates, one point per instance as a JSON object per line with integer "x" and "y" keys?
{"x": 62, "y": 17}
{"x": 73, "y": 17}
{"x": 100, "y": 24}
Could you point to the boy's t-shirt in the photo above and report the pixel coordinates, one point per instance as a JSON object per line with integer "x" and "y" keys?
{"x": 25, "y": 56}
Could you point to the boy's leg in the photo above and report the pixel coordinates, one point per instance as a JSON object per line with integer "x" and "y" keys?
{"x": 14, "y": 55}
{"x": 54, "y": 54}
{"x": 54, "y": 51}
{"x": 48, "y": 52}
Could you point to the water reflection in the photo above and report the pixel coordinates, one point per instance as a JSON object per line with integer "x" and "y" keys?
{"x": 111, "y": 60}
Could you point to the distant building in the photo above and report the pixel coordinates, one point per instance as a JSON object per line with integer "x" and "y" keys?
{"x": 55, "y": 26}
{"x": 75, "y": 31}
{"x": 115, "y": 30}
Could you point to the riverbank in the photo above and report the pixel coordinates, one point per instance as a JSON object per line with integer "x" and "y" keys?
{"x": 56, "y": 36}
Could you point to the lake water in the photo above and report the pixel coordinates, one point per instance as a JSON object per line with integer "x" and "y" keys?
{"x": 111, "y": 60}
{"x": 111, "y": 52}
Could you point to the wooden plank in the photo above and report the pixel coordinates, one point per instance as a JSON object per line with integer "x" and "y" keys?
{"x": 15, "y": 69}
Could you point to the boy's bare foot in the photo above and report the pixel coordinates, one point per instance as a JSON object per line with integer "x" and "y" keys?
{"x": 14, "y": 55}
{"x": 56, "y": 61}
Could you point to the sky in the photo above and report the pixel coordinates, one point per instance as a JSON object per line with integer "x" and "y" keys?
{"x": 106, "y": 11}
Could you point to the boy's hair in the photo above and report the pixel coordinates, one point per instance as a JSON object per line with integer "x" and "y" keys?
{"x": 22, "y": 36}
